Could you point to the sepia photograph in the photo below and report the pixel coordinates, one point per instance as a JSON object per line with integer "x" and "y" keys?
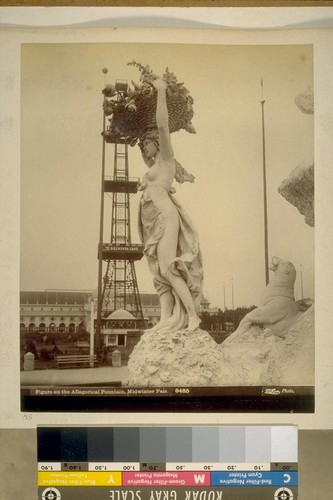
{"x": 167, "y": 227}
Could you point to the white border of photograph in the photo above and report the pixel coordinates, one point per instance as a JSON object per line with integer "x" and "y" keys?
{"x": 322, "y": 40}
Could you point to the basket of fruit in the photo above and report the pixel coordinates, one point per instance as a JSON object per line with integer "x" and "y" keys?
{"x": 131, "y": 111}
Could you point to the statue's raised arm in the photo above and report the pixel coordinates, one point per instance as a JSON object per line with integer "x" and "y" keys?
{"x": 162, "y": 121}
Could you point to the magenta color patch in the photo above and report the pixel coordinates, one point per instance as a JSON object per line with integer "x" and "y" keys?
{"x": 166, "y": 478}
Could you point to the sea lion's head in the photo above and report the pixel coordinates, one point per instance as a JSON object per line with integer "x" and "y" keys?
{"x": 284, "y": 270}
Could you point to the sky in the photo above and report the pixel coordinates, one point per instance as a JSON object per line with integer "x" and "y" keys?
{"x": 61, "y": 154}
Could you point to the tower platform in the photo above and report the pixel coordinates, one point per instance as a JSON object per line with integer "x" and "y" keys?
{"x": 121, "y": 184}
{"x": 131, "y": 252}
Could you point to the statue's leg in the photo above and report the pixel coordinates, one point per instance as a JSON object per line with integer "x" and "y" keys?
{"x": 167, "y": 303}
{"x": 166, "y": 252}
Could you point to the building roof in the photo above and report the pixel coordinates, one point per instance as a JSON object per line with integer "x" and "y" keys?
{"x": 75, "y": 297}
{"x": 55, "y": 297}
{"x": 121, "y": 314}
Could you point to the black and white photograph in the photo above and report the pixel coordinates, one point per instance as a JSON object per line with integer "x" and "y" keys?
{"x": 166, "y": 244}
{"x": 167, "y": 227}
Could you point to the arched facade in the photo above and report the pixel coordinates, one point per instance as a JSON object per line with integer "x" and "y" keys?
{"x": 53, "y": 311}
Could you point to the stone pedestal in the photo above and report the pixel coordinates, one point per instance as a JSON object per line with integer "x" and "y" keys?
{"x": 255, "y": 357}
{"x": 181, "y": 358}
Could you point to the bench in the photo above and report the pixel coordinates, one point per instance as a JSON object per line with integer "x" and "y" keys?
{"x": 71, "y": 360}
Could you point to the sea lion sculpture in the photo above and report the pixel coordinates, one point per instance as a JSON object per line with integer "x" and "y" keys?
{"x": 278, "y": 309}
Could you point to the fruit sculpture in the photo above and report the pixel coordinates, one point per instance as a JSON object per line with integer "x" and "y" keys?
{"x": 132, "y": 111}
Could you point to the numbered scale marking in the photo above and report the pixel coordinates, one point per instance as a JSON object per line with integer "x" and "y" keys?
{"x": 168, "y": 467}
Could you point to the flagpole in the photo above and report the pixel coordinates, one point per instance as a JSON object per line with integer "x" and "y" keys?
{"x": 224, "y": 295}
{"x": 100, "y": 245}
{"x": 264, "y": 183}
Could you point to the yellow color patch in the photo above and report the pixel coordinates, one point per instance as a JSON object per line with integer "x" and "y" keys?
{"x": 65, "y": 478}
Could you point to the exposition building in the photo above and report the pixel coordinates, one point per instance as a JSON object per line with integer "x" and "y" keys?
{"x": 68, "y": 311}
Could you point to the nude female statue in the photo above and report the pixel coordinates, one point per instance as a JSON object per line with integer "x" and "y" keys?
{"x": 171, "y": 243}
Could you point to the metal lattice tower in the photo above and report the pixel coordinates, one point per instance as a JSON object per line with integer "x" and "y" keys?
{"x": 120, "y": 287}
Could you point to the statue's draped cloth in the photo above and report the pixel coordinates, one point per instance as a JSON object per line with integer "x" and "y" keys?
{"x": 188, "y": 262}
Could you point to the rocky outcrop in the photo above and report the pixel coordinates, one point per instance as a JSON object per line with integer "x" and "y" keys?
{"x": 255, "y": 357}
{"x": 298, "y": 189}
{"x": 296, "y": 356}
{"x": 250, "y": 358}
{"x": 304, "y": 101}
{"x": 258, "y": 357}
{"x": 174, "y": 359}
